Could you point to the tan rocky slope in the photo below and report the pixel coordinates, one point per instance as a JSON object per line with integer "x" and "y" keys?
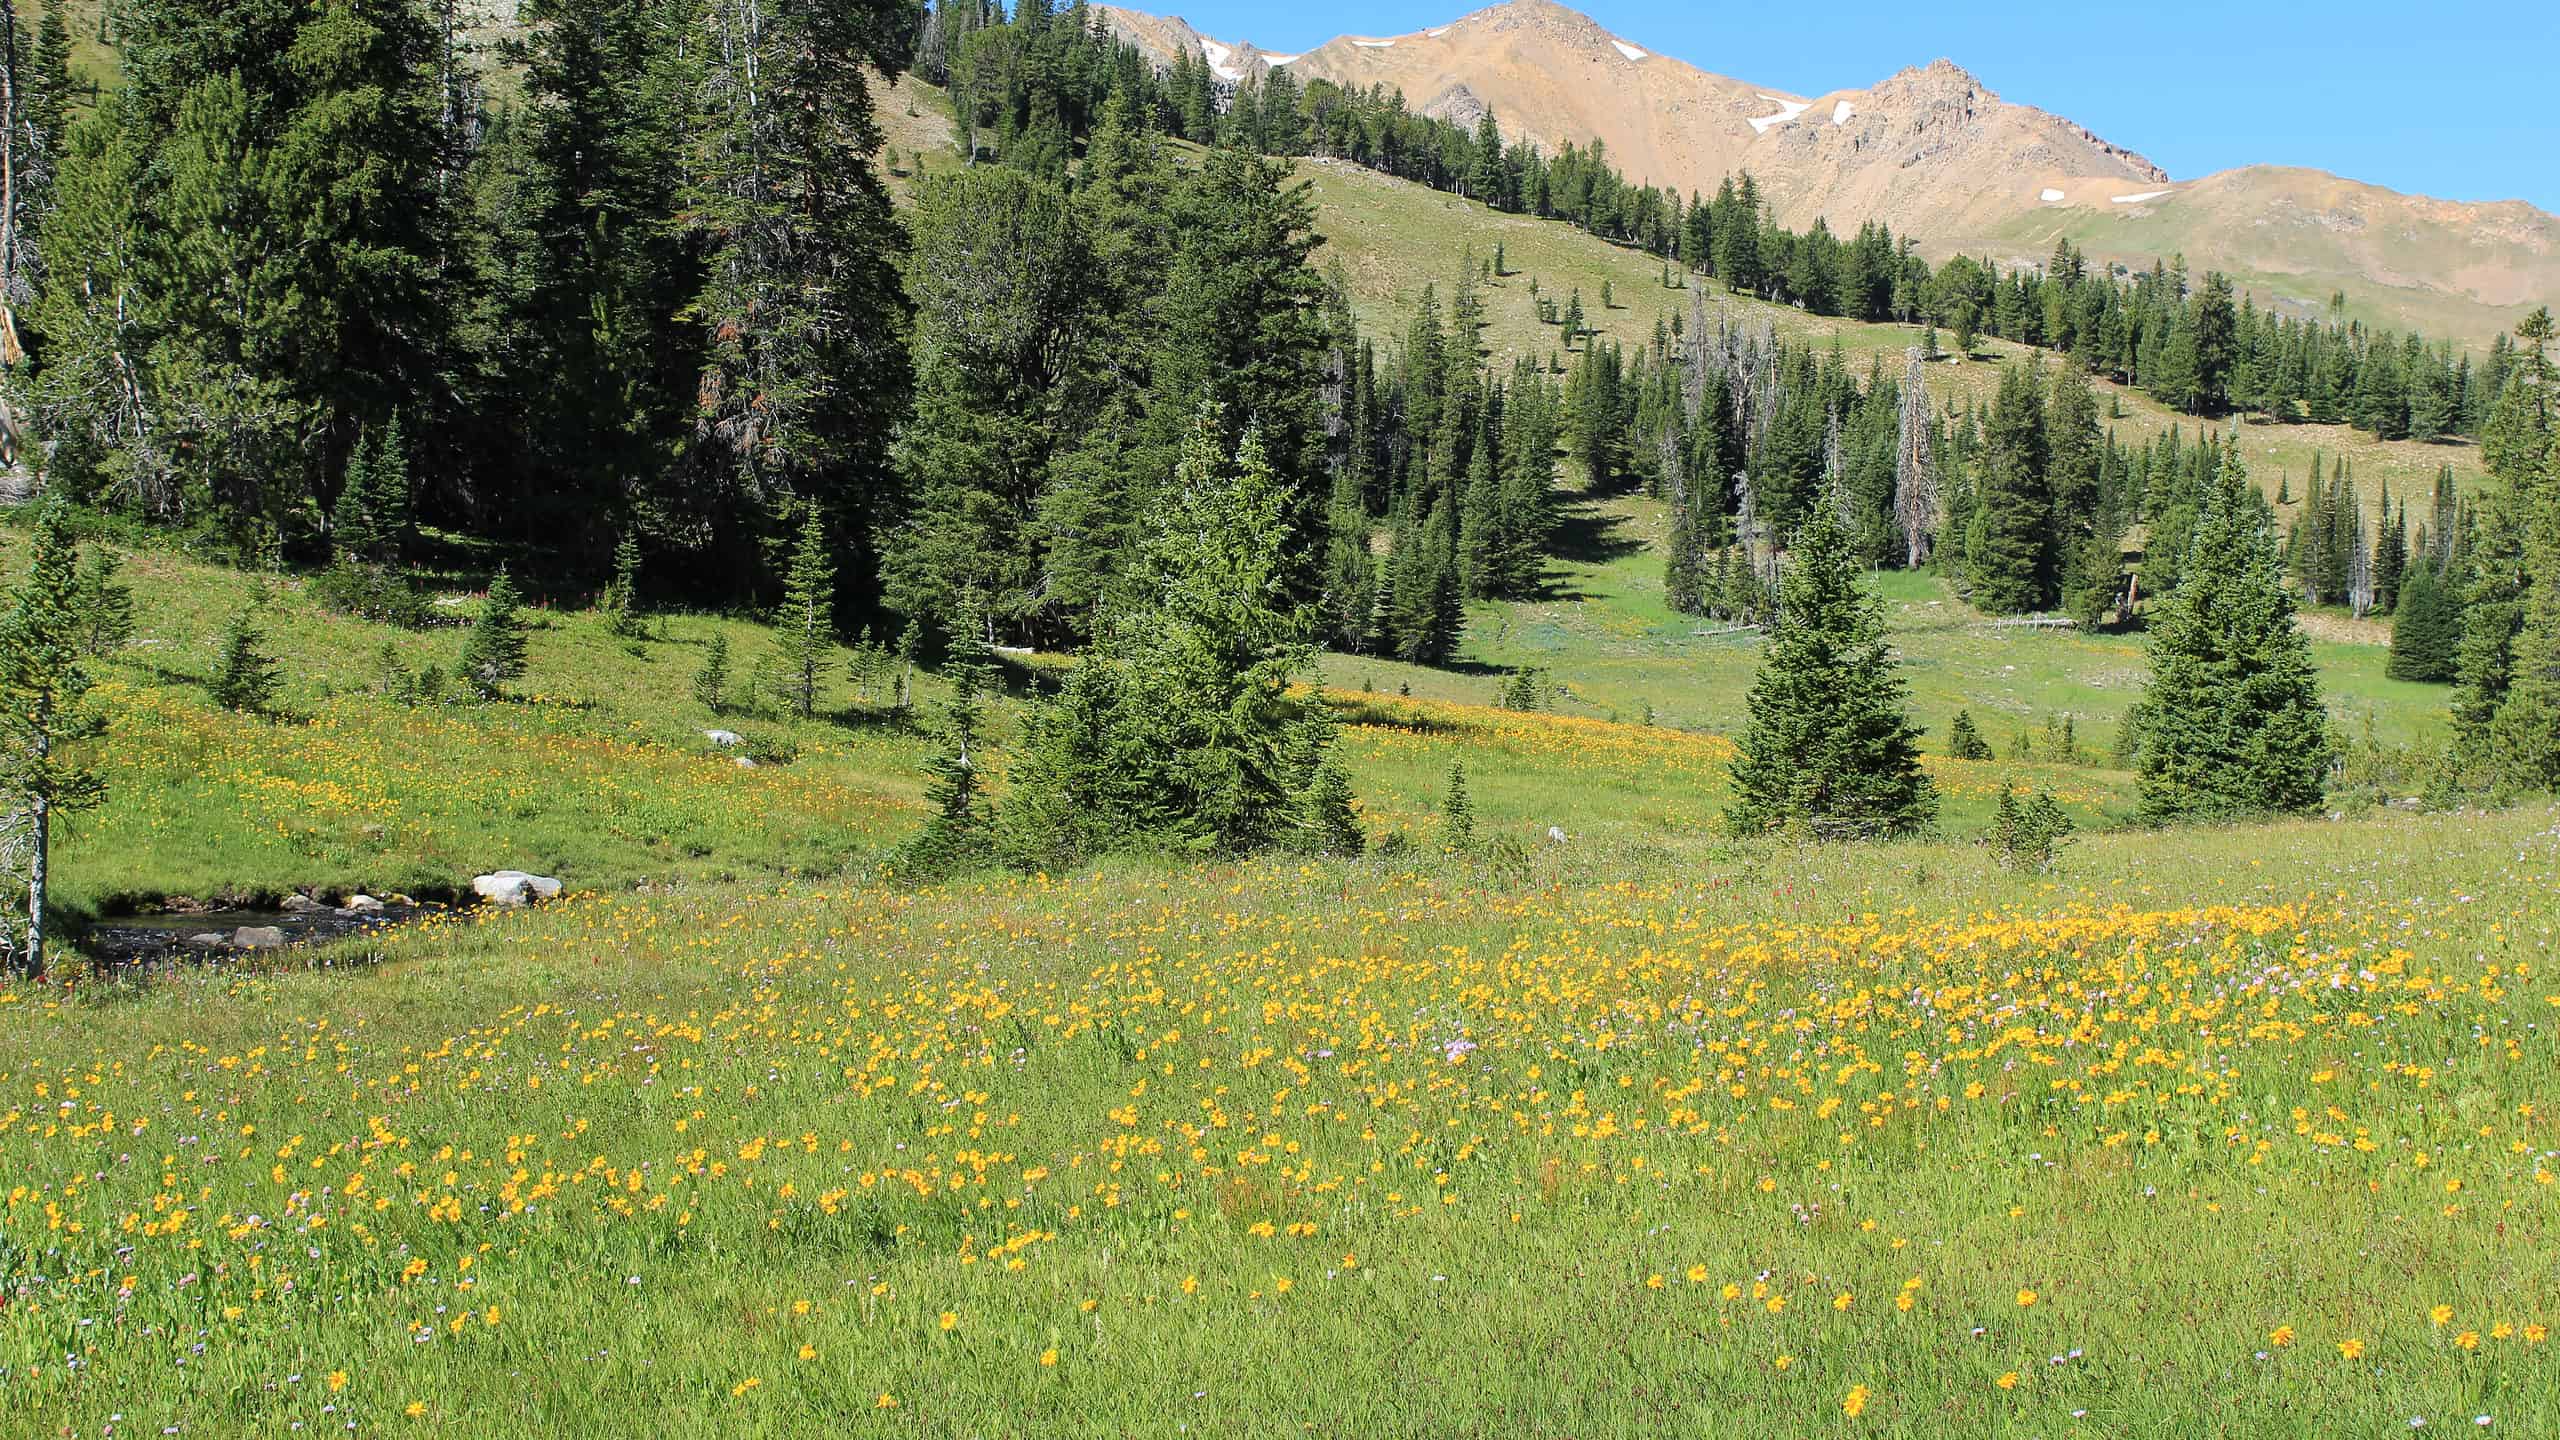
{"x": 1939, "y": 156}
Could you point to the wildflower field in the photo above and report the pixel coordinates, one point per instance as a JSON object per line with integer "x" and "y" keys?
{"x": 2235, "y": 1133}
{"x": 2240, "y": 1132}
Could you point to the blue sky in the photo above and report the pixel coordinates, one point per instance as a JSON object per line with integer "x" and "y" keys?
{"x": 2449, "y": 99}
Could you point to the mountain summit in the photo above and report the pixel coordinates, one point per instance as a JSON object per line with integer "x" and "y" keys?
{"x": 1936, "y": 154}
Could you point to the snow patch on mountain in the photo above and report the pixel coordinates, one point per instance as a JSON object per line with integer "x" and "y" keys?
{"x": 1218, "y": 55}
{"x": 1374, "y": 44}
{"x": 2138, "y": 199}
{"x": 1787, "y": 110}
{"x": 1278, "y": 59}
{"x": 2050, "y": 195}
{"x": 1628, "y": 50}
{"x": 1841, "y": 112}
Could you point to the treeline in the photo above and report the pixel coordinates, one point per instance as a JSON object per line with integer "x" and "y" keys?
{"x": 2202, "y": 348}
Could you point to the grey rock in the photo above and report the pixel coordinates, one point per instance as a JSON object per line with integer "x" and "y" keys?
{"x": 299, "y": 905}
{"x": 362, "y": 905}
{"x": 722, "y": 737}
{"x": 257, "y": 937}
{"x": 209, "y": 940}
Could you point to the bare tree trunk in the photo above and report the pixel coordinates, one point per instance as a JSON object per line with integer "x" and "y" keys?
{"x": 43, "y": 826}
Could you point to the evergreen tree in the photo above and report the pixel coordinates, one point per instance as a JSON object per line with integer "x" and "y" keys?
{"x": 494, "y": 653}
{"x": 370, "y": 522}
{"x": 45, "y": 708}
{"x": 960, "y": 830}
{"x": 1457, "y": 812}
{"x": 2011, "y": 567}
{"x": 245, "y": 677}
{"x": 2525, "y": 736}
{"x": 804, "y": 371}
{"x": 2426, "y": 627}
{"x": 105, "y": 605}
{"x": 804, "y": 630}
{"x": 1178, "y": 727}
{"x": 711, "y": 682}
{"x": 1330, "y": 826}
{"x": 1828, "y": 742}
{"x": 1964, "y": 740}
{"x": 2231, "y": 723}
{"x": 622, "y": 596}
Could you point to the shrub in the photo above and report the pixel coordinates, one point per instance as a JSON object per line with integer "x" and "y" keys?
{"x": 371, "y": 592}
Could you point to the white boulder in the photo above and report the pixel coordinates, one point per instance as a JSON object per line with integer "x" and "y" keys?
{"x": 722, "y": 737}
{"x": 514, "y": 887}
{"x": 257, "y": 937}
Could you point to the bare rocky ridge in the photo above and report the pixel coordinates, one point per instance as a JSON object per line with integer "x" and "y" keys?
{"x": 1938, "y": 155}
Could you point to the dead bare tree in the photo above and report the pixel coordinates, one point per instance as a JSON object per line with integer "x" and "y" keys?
{"x": 1915, "y": 469}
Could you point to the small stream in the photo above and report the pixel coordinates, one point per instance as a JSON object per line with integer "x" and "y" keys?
{"x": 219, "y": 935}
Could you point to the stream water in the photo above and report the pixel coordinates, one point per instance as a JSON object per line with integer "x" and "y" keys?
{"x": 215, "y": 935}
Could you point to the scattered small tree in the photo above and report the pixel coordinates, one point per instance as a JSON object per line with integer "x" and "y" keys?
{"x": 1457, "y": 812}
{"x": 804, "y": 631}
{"x": 494, "y": 652}
{"x": 910, "y": 644}
{"x": 2029, "y": 835}
{"x": 105, "y": 605}
{"x": 621, "y": 598}
{"x": 1520, "y": 690}
{"x": 711, "y": 682}
{"x": 1964, "y": 741}
{"x": 245, "y": 678}
{"x": 1329, "y": 825}
{"x": 960, "y": 830}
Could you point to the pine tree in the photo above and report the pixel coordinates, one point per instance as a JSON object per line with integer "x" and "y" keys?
{"x": 621, "y": 599}
{"x": 105, "y": 605}
{"x": 1330, "y": 825}
{"x": 370, "y": 522}
{"x": 1964, "y": 741}
{"x": 1828, "y": 742}
{"x": 2012, "y": 568}
{"x": 960, "y": 829}
{"x": 2525, "y": 736}
{"x": 245, "y": 677}
{"x": 802, "y": 303}
{"x": 804, "y": 629}
{"x": 2231, "y": 723}
{"x": 711, "y": 682}
{"x": 45, "y": 707}
{"x": 1177, "y": 726}
{"x": 1457, "y": 812}
{"x": 2426, "y": 627}
{"x": 1684, "y": 577}
{"x": 494, "y": 653}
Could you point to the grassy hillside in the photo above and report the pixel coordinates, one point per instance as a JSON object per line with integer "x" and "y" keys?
{"x": 1393, "y": 236}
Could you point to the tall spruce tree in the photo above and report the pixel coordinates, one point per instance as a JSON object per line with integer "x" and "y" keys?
{"x": 1829, "y": 743}
{"x": 2525, "y": 736}
{"x": 2011, "y": 564}
{"x": 2426, "y": 627}
{"x": 805, "y": 365}
{"x": 45, "y": 708}
{"x": 2232, "y": 723}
